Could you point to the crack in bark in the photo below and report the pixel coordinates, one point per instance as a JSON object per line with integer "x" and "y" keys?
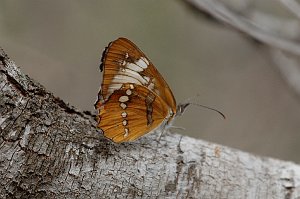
{"x": 17, "y": 85}
{"x": 178, "y": 146}
{"x": 12, "y": 124}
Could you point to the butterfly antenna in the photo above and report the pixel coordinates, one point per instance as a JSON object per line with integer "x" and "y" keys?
{"x": 182, "y": 107}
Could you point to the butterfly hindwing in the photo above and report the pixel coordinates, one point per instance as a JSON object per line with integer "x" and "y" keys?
{"x": 131, "y": 112}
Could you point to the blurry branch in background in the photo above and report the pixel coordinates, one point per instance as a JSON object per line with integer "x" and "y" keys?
{"x": 293, "y": 6}
{"x": 279, "y": 34}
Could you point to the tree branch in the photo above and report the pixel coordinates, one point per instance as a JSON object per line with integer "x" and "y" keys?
{"x": 279, "y": 34}
{"x": 293, "y": 6}
{"x": 50, "y": 149}
{"x": 222, "y": 13}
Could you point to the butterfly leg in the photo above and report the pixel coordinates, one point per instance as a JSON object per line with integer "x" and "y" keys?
{"x": 160, "y": 132}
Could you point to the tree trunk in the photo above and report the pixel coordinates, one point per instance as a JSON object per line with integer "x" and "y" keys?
{"x": 51, "y": 150}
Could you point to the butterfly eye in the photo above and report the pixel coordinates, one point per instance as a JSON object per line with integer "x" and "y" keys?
{"x": 171, "y": 113}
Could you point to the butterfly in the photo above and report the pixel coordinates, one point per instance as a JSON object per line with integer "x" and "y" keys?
{"x": 134, "y": 98}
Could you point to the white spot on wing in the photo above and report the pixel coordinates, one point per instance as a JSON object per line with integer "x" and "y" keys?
{"x": 145, "y": 60}
{"x": 147, "y": 78}
{"x": 124, "y": 63}
{"x": 151, "y": 86}
{"x": 126, "y": 131}
{"x": 115, "y": 86}
{"x": 123, "y": 105}
{"x": 134, "y": 67}
{"x": 124, "y": 122}
{"x": 132, "y": 74}
{"x": 128, "y": 92}
{"x": 124, "y": 114}
{"x": 112, "y": 87}
{"x": 141, "y": 63}
{"x": 127, "y": 76}
{"x": 123, "y": 98}
{"x": 125, "y": 79}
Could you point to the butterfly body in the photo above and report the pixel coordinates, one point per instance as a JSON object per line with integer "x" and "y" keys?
{"x": 134, "y": 98}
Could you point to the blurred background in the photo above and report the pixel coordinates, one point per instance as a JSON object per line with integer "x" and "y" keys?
{"x": 59, "y": 44}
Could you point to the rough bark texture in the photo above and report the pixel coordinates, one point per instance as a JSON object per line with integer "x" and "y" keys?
{"x": 51, "y": 150}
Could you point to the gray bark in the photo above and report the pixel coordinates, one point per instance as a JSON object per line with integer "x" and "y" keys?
{"x": 50, "y": 149}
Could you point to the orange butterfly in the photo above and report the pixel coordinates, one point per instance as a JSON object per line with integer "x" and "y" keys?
{"x": 134, "y": 98}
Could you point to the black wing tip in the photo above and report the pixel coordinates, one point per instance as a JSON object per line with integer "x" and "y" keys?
{"x": 103, "y": 58}
{"x": 104, "y": 52}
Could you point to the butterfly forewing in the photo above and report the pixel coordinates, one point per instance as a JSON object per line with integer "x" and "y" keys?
{"x": 124, "y": 62}
{"x": 131, "y": 112}
{"x": 134, "y": 98}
